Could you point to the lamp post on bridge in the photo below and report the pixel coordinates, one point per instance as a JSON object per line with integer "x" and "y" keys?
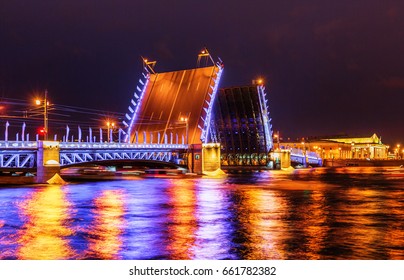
{"x": 110, "y": 127}
{"x": 45, "y": 113}
{"x": 184, "y": 119}
{"x": 277, "y": 136}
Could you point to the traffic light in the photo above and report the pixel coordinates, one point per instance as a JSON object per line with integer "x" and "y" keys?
{"x": 41, "y": 131}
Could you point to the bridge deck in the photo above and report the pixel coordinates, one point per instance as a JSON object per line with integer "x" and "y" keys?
{"x": 173, "y": 102}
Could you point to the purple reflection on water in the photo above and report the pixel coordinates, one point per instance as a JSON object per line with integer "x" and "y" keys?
{"x": 309, "y": 214}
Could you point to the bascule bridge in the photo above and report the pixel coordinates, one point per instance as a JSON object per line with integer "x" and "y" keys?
{"x": 176, "y": 108}
{"x": 179, "y": 117}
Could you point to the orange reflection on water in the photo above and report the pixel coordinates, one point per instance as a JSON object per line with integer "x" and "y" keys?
{"x": 259, "y": 213}
{"x": 105, "y": 240}
{"x": 395, "y": 232}
{"x": 43, "y": 236}
{"x": 181, "y": 230}
{"x": 374, "y": 224}
{"x": 313, "y": 224}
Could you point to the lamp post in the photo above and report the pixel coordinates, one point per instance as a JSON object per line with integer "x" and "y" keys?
{"x": 278, "y": 140}
{"x": 110, "y": 127}
{"x": 45, "y": 113}
{"x": 183, "y": 119}
{"x": 304, "y": 154}
{"x": 398, "y": 151}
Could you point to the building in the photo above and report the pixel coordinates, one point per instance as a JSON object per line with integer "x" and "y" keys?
{"x": 343, "y": 147}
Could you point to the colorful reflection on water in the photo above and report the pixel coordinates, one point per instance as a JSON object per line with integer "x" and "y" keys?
{"x": 347, "y": 213}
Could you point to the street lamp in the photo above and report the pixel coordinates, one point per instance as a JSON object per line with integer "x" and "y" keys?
{"x": 277, "y": 136}
{"x": 110, "y": 126}
{"x": 183, "y": 119}
{"x": 45, "y": 113}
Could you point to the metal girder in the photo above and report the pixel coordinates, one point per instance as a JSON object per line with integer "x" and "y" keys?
{"x": 17, "y": 159}
{"x": 68, "y": 157}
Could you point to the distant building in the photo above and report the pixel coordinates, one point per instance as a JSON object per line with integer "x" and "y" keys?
{"x": 343, "y": 147}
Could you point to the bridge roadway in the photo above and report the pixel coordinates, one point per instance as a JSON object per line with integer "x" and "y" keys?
{"x": 22, "y": 155}
{"x": 19, "y": 155}
{"x": 176, "y": 104}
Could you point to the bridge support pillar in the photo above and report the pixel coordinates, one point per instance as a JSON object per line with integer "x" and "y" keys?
{"x": 210, "y": 157}
{"x": 285, "y": 159}
{"x": 281, "y": 159}
{"x": 204, "y": 158}
{"x": 47, "y": 160}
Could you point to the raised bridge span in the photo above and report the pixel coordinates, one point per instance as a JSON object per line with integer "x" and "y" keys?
{"x": 172, "y": 117}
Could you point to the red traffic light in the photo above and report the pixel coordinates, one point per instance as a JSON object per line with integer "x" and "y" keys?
{"x": 41, "y": 131}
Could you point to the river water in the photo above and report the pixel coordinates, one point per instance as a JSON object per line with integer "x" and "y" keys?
{"x": 345, "y": 213}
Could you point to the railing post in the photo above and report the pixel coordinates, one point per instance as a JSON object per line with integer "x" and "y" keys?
{"x": 6, "y": 132}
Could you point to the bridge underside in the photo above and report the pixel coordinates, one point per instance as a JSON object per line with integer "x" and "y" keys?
{"x": 242, "y": 126}
{"x": 173, "y": 107}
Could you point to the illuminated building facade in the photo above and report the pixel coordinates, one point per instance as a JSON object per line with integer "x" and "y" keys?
{"x": 343, "y": 147}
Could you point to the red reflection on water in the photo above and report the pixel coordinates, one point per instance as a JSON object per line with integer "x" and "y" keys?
{"x": 105, "y": 234}
{"x": 181, "y": 230}
{"x": 43, "y": 236}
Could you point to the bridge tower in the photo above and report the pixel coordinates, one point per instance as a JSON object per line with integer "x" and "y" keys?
{"x": 175, "y": 108}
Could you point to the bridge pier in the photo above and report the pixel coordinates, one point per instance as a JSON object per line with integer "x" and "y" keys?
{"x": 281, "y": 159}
{"x": 204, "y": 158}
{"x": 47, "y": 160}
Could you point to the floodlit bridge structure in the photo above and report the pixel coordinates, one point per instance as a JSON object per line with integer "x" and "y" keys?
{"x": 180, "y": 117}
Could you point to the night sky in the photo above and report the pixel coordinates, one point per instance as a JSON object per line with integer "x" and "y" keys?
{"x": 331, "y": 67}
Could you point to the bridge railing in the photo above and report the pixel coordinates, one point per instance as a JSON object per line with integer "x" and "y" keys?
{"x": 90, "y": 145}
{"x": 18, "y": 144}
{"x": 305, "y": 156}
{"x": 113, "y": 145}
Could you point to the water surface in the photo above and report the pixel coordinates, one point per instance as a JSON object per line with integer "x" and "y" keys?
{"x": 345, "y": 213}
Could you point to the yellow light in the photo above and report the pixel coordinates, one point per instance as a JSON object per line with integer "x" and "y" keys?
{"x": 113, "y": 124}
{"x": 38, "y": 102}
{"x": 260, "y": 81}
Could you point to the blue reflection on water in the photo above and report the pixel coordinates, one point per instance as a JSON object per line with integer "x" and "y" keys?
{"x": 355, "y": 213}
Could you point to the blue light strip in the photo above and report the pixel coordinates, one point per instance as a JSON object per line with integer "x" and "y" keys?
{"x": 266, "y": 119}
{"x": 206, "y": 125}
{"x": 138, "y": 102}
